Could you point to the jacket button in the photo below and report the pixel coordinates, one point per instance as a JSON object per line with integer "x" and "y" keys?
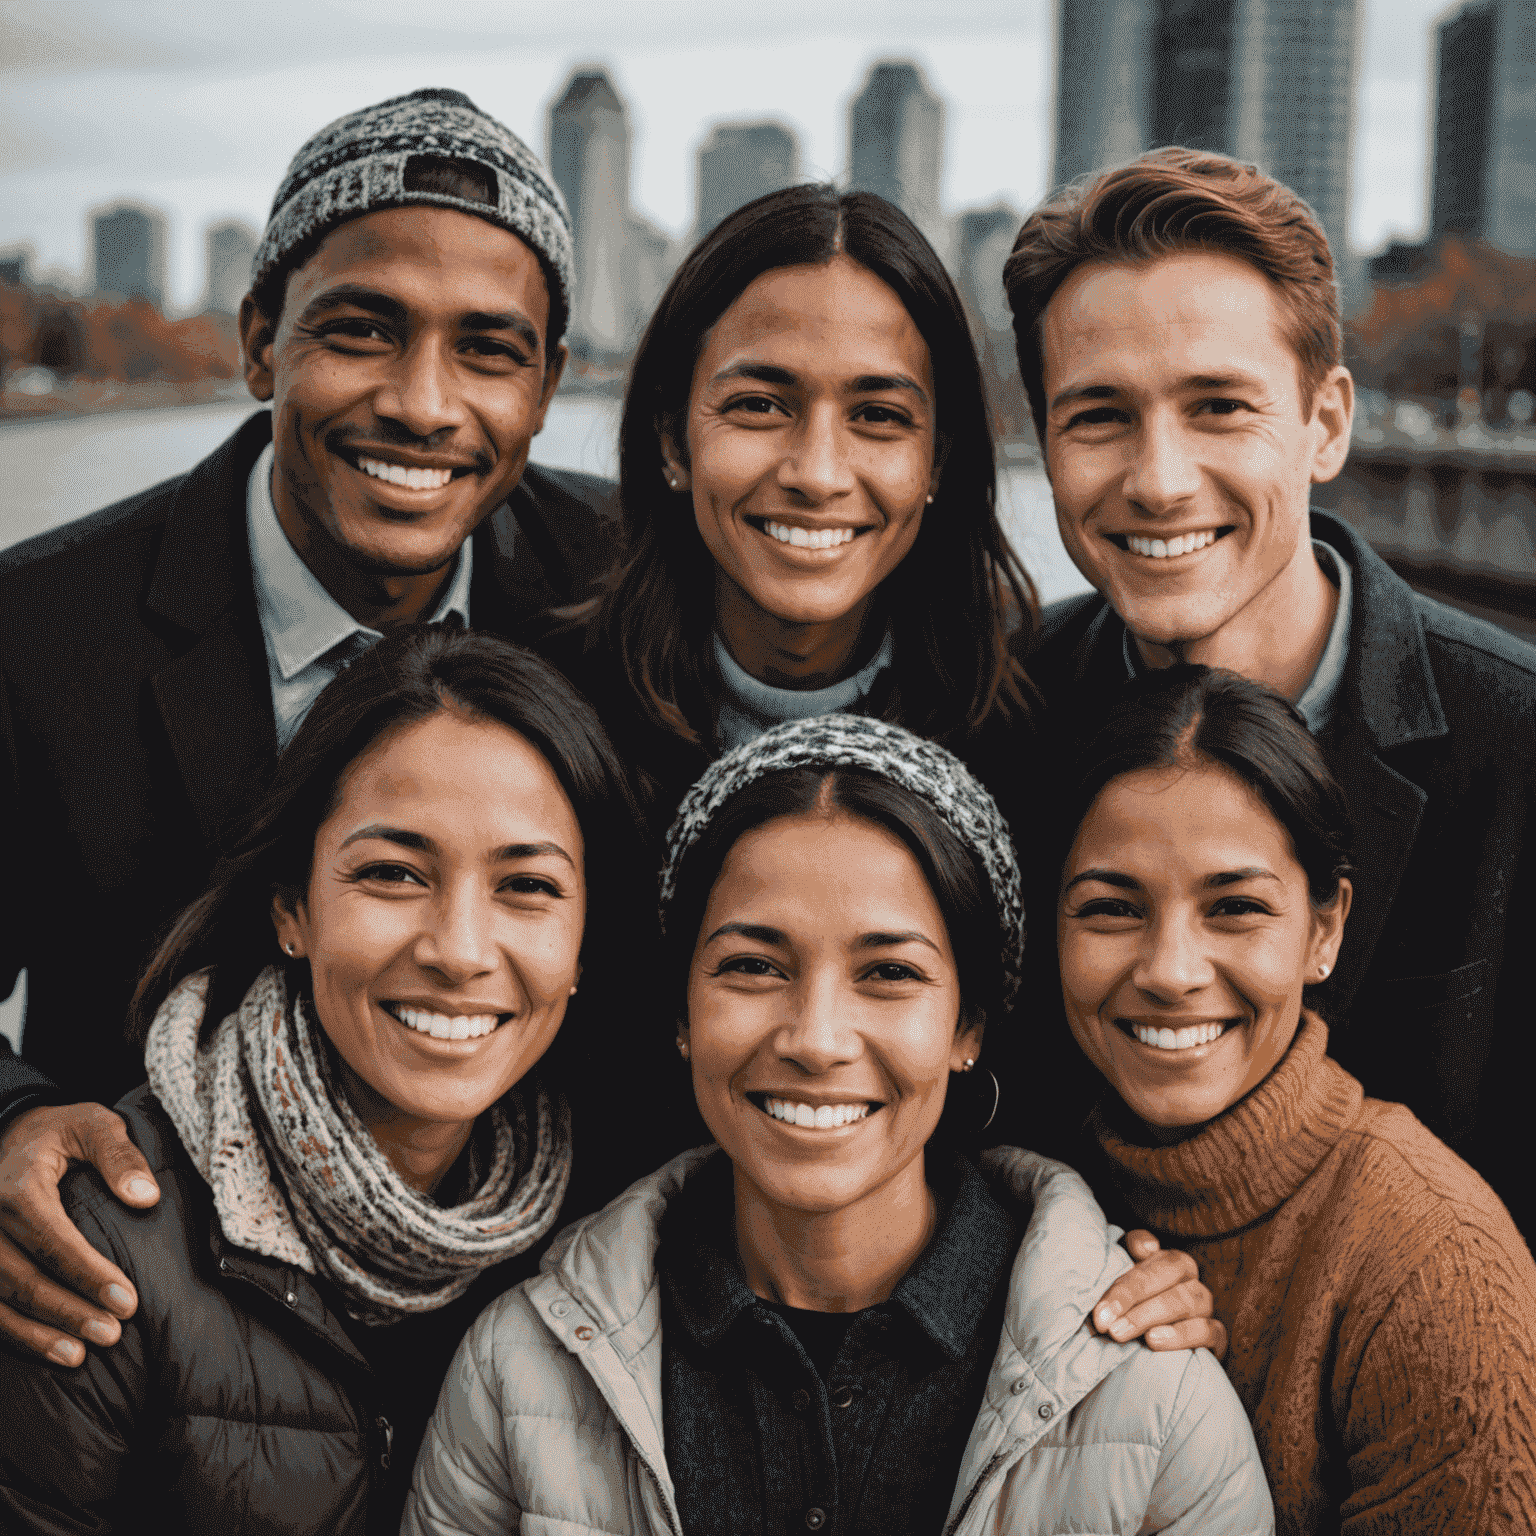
{"x": 801, "y": 1400}
{"x": 584, "y": 1332}
{"x": 1045, "y": 1410}
{"x": 843, "y": 1397}
{"x": 223, "y": 1266}
{"x": 815, "y": 1518}
{"x": 559, "y": 1308}
{"x": 1021, "y": 1385}
{"x": 291, "y": 1299}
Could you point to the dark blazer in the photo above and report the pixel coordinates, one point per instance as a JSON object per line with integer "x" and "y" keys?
{"x": 1434, "y": 740}
{"x": 234, "y": 1367}
{"x": 136, "y": 726}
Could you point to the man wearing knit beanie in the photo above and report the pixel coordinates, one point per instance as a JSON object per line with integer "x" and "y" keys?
{"x": 407, "y": 305}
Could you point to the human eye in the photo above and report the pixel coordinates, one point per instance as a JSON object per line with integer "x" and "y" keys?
{"x": 385, "y": 873}
{"x": 754, "y": 966}
{"x": 878, "y": 413}
{"x": 1239, "y": 906}
{"x": 488, "y": 351}
{"x": 763, "y": 406}
{"x": 893, "y": 970}
{"x": 1096, "y": 416}
{"x": 531, "y": 885}
{"x": 356, "y": 334}
{"x": 1113, "y": 908}
{"x": 1220, "y": 407}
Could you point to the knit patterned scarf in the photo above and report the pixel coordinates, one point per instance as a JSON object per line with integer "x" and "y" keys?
{"x": 296, "y": 1175}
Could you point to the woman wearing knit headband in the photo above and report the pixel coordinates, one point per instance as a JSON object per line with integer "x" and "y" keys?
{"x": 351, "y": 1150}
{"x": 1381, "y": 1303}
{"x": 835, "y": 1319}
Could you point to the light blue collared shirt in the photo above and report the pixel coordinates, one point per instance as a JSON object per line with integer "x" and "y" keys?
{"x": 308, "y": 634}
{"x": 751, "y": 707}
{"x": 1316, "y": 702}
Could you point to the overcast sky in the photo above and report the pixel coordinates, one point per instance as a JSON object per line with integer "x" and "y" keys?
{"x": 197, "y": 105}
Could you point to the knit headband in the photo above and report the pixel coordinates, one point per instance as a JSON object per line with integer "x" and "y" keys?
{"x": 358, "y": 164}
{"x": 891, "y": 752}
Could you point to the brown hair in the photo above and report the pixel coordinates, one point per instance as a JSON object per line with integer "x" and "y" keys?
{"x": 958, "y": 598}
{"x": 1170, "y": 200}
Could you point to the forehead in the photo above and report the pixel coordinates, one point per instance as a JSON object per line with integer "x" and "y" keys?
{"x": 1158, "y": 823}
{"x": 1144, "y": 324}
{"x": 431, "y": 260}
{"x": 836, "y": 318}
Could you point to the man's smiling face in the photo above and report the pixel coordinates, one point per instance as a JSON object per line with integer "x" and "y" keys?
{"x": 1180, "y": 451}
{"x": 408, "y": 376}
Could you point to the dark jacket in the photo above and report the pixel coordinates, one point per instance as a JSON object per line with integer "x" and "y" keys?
{"x": 136, "y": 727}
{"x": 239, "y": 1399}
{"x": 1434, "y": 740}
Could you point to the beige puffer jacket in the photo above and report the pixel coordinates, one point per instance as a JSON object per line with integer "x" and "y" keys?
{"x": 550, "y": 1421}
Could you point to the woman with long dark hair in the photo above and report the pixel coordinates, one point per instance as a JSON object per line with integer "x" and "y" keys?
{"x": 356, "y": 1106}
{"x": 809, "y": 501}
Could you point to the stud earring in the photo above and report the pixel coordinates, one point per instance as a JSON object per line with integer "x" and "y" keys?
{"x": 1323, "y": 970}
{"x": 682, "y": 1048}
{"x": 573, "y": 992}
{"x": 930, "y": 498}
{"x": 287, "y": 949}
{"x": 970, "y": 1061}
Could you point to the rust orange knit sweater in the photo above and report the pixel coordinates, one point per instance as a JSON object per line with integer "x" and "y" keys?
{"x": 1380, "y": 1302}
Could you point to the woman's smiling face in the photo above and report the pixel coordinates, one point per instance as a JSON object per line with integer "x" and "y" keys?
{"x": 810, "y": 439}
{"x": 1186, "y": 935}
{"x": 823, "y": 1000}
{"x": 443, "y": 917}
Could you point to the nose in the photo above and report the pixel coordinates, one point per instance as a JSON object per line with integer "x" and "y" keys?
{"x": 816, "y": 1034}
{"x": 1173, "y": 961}
{"x": 816, "y": 464}
{"x": 1163, "y": 473}
{"x": 456, "y": 942}
{"x": 420, "y": 391}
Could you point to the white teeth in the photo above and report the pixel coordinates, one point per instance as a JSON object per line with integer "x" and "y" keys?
{"x": 808, "y": 538}
{"x": 440, "y": 1026}
{"x": 1178, "y": 1039}
{"x": 411, "y": 479}
{"x": 1166, "y": 549}
{"x": 823, "y": 1117}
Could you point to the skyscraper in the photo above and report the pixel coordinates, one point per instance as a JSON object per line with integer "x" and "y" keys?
{"x": 1270, "y": 81}
{"x": 741, "y": 161}
{"x": 1484, "y": 180}
{"x": 129, "y": 252}
{"x": 231, "y": 248}
{"x": 896, "y": 135}
{"x": 589, "y": 159}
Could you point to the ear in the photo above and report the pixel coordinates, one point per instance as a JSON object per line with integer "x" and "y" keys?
{"x": 554, "y": 368}
{"x": 291, "y": 922}
{"x": 1333, "y": 411}
{"x": 967, "y": 1046}
{"x": 257, "y": 336}
{"x": 674, "y": 462}
{"x": 1328, "y": 933}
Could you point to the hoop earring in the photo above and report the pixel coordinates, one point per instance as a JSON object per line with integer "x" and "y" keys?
{"x": 997, "y": 1096}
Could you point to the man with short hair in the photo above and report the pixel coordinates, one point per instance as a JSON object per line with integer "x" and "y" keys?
{"x": 1179, "y": 339}
{"x": 405, "y": 319}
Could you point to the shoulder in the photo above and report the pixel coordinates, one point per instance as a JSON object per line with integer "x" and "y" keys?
{"x": 572, "y": 492}
{"x": 1470, "y": 653}
{"x": 98, "y": 540}
{"x": 1063, "y": 625}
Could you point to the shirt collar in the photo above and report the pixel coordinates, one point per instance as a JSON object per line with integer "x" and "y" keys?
{"x": 1316, "y": 702}
{"x": 300, "y": 619}
{"x": 946, "y": 1292}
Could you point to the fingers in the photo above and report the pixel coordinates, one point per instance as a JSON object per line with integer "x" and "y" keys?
{"x": 105, "y": 1143}
{"x": 1195, "y": 1333}
{"x": 1164, "y": 1287}
{"x": 1141, "y": 1244}
{"x": 39, "y": 1315}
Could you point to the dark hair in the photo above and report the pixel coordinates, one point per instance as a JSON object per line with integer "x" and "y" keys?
{"x": 958, "y": 594}
{"x": 407, "y": 677}
{"x": 954, "y": 874}
{"x": 449, "y": 177}
{"x": 1170, "y": 200}
{"x": 1184, "y": 715}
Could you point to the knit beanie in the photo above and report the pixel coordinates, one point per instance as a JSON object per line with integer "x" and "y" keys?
{"x": 358, "y": 165}
{"x": 856, "y": 741}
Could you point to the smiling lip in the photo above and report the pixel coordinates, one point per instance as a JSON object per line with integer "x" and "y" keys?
{"x": 441, "y": 1020}
{"x": 404, "y": 469}
{"x": 807, "y": 537}
{"x": 1177, "y": 1038}
{"x": 819, "y": 1112}
{"x": 1169, "y": 546}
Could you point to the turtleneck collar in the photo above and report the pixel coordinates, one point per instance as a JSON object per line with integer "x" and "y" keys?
{"x": 1247, "y": 1161}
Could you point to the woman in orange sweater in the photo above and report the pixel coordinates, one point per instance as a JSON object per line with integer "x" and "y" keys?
{"x": 1380, "y": 1302}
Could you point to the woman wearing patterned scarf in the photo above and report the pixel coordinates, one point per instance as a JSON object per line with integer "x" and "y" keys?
{"x": 351, "y": 1139}
{"x": 836, "y": 1319}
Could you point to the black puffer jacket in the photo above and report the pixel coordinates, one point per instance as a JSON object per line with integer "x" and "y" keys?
{"x": 240, "y": 1398}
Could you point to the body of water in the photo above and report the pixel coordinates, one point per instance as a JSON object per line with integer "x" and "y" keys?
{"x": 56, "y": 470}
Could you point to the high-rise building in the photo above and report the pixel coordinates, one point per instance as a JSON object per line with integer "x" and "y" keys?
{"x": 1484, "y": 180}
{"x": 589, "y": 159}
{"x": 1270, "y": 81}
{"x": 129, "y": 252}
{"x": 231, "y": 249}
{"x": 896, "y": 136}
{"x": 739, "y": 162}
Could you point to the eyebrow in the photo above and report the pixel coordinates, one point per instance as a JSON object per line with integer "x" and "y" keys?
{"x": 356, "y": 296}
{"x": 1194, "y": 382}
{"x": 761, "y": 933}
{"x": 864, "y": 384}
{"x": 403, "y": 838}
{"x": 1125, "y": 882}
